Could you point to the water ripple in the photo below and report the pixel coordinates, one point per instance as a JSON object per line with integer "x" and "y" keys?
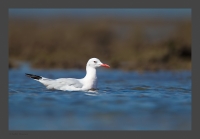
{"x": 123, "y": 101}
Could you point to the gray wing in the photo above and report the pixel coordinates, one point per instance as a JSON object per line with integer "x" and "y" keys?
{"x": 69, "y": 82}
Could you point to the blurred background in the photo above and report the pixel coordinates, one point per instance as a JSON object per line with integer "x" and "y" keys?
{"x": 128, "y": 39}
{"x": 147, "y": 88}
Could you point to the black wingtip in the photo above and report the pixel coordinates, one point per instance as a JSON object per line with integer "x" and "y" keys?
{"x": 33, "y": 76}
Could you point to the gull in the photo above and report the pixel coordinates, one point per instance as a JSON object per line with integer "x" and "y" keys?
{"x": 89, "y": 82}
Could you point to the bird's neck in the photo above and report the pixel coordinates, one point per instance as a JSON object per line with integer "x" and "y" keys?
{"x": 90, "y": 73}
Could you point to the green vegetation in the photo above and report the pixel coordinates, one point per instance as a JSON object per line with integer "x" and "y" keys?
{"x": 125, "y": 44}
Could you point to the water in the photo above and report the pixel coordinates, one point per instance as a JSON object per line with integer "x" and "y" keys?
{"x": 123, "y": 101}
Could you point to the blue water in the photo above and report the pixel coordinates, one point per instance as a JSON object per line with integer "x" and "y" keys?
{"x": 123, "y": 101}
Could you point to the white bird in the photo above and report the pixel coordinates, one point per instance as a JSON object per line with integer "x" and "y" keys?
{"x": 89, "y": 82}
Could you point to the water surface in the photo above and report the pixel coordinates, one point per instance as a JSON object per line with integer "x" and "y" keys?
{"x": 123, "y": 101}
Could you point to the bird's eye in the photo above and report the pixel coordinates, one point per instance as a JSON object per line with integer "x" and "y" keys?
{"x": 95, "y": 61}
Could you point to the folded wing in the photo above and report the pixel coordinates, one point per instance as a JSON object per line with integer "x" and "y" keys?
{"x": 63, "y": 84}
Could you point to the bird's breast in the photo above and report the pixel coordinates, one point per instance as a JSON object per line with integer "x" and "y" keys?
{"x": 90, "y": 83}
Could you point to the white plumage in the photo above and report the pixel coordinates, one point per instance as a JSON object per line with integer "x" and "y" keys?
{"x": 89, "y": 82}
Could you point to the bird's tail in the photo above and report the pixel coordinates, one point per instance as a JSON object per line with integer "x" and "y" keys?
{"x": 33, "y": 76}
